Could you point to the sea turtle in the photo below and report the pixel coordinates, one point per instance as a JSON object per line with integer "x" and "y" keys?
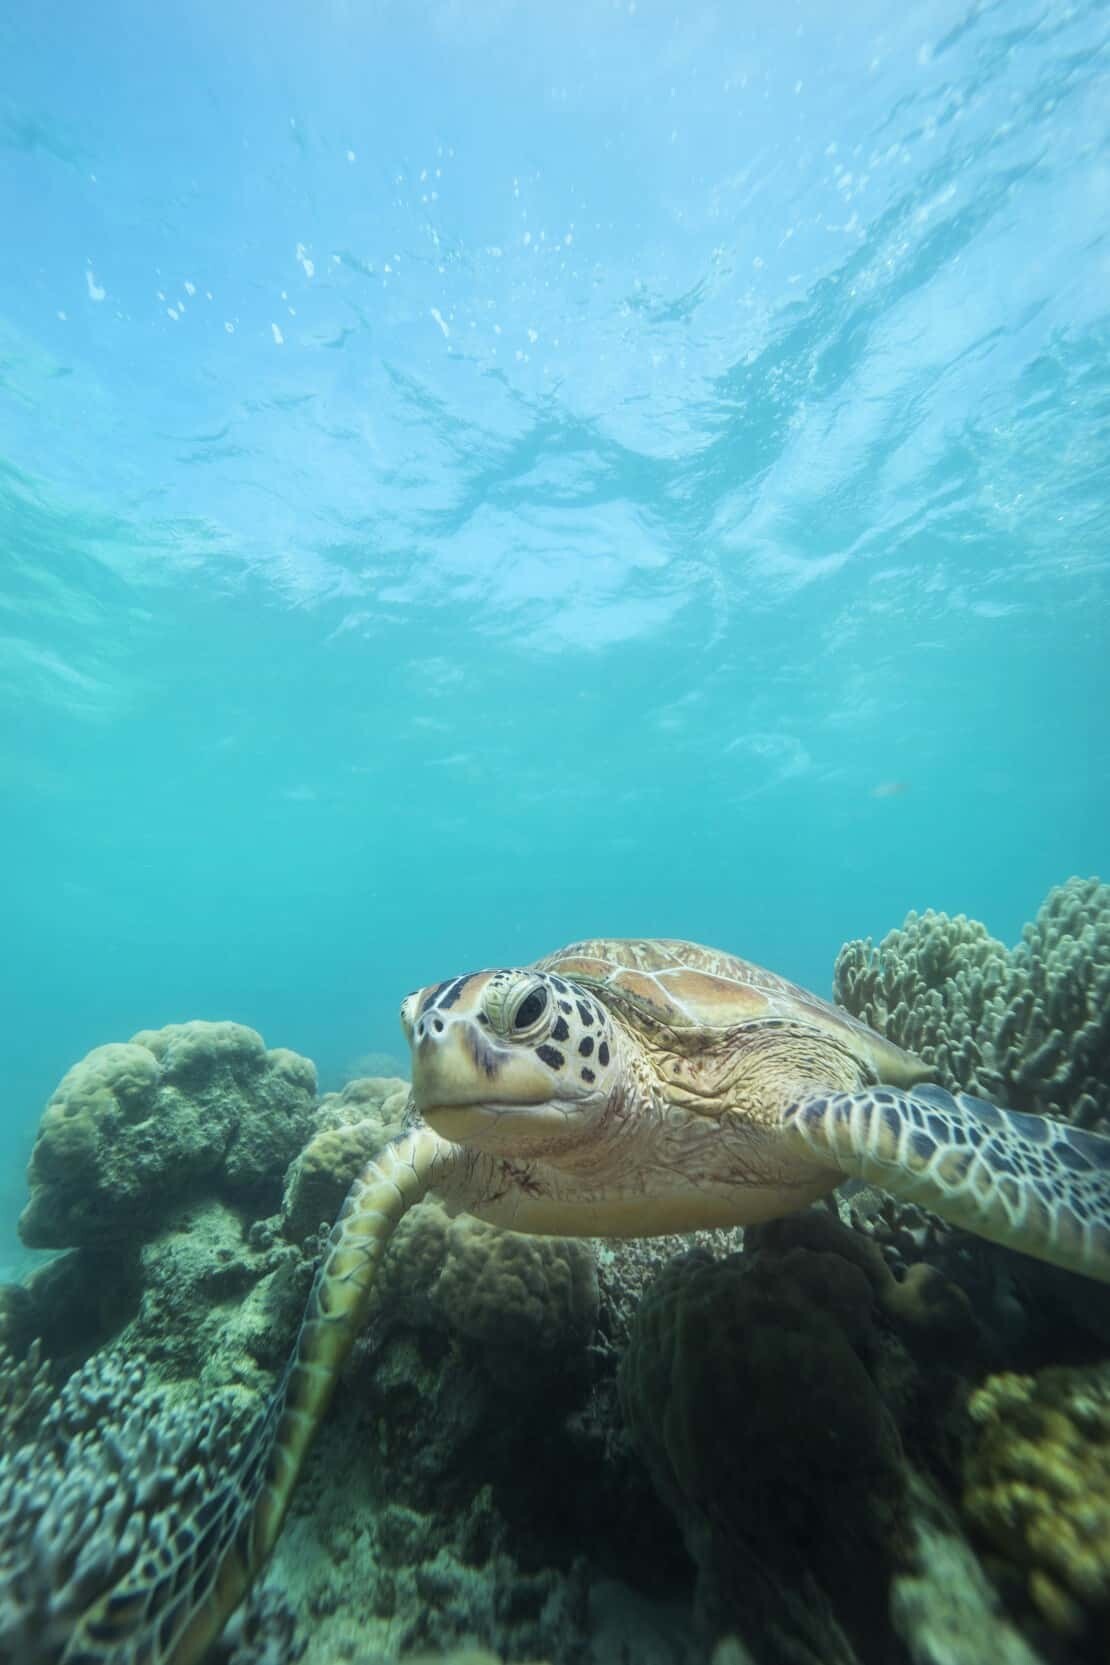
{"x": 615, "y": 1088}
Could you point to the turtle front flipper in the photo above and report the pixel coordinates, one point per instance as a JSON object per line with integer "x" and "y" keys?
{"x": 1032, "y": 1183}
{"x": 171, "y": 1599}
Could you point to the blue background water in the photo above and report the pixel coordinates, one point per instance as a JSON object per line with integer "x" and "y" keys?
{"x": 477, "y": 474}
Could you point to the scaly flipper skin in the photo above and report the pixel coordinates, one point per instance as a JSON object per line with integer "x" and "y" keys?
{"x": 1032, "y": 1183}
{"x": 178, "y": 1596}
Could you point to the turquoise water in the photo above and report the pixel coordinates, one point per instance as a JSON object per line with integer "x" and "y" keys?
{"x": 472, "y": 476}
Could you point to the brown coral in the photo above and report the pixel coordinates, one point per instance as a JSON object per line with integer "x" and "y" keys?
{"x": 749, "y": 1388}
{"x": 532, "y": 1295}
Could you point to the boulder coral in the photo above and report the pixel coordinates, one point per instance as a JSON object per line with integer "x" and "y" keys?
{"x": 348, "y": 1127}
{"x": 521, "y": 1298}
{"x": 136, "y": 1127}
{"x": 1027, "y": 1027}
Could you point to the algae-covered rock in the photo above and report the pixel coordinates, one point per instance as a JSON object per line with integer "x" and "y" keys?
{"x": 135, "y": 1127}
{"x": 217, "y": 1305}
{"x": 1037, "y": 1488}
{"x": 1028, "y": 1027}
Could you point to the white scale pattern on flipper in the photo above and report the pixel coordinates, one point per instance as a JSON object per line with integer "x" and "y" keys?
{"x": 1027, "y": 1181}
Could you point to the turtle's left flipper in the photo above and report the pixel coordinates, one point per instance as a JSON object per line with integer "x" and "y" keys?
{"x": 1026, "y": 1181}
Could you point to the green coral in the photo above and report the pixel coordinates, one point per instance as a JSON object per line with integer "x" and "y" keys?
{"x": 1028, "y": 1027}
{"x": 1037, "y": 1487}
{"x": 137, "y": 1127}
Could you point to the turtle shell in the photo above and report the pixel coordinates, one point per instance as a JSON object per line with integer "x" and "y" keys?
{"x": 686, "y": 986}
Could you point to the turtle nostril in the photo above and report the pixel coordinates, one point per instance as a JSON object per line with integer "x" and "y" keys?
{"x": 438, "y": 1026}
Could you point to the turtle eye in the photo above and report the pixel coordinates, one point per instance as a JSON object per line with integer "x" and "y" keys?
{"x": 531, "y": 1009}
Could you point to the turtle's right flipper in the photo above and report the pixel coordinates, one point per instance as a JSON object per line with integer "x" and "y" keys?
{"x": 1026, "y": 1181}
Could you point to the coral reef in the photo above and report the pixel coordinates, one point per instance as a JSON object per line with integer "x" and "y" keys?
{"x": 799, "y": 1407}
{"x": 1028, "y": 1027}
{"x": 1037, "y": 1487}
{"x": 138, "y": 1126}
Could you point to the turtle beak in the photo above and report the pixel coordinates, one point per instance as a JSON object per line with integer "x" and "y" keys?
{"x": 455, "y": 1063}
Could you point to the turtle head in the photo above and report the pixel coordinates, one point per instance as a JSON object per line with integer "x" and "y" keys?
{"x": 510, "y": 1062}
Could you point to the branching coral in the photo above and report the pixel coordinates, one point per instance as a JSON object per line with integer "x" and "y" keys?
{"x": 26, "y": 1390}
{"x": 136, "y": 1126}
{"x": 1028, "y": 1027}
{"x": 1037, "y": 1486}
{"x": 115, "y": 1476}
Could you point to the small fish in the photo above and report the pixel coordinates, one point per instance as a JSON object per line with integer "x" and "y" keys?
{"x": 890, "y": 789}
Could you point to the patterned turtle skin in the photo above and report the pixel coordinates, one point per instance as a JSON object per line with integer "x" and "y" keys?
{"x": 615, "y": 1088}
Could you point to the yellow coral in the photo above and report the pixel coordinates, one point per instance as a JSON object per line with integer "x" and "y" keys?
{"x": 1037, "y": 1485}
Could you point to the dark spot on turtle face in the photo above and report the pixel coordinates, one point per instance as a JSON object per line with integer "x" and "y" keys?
{"x": 433, "y": 994}
{"x": 565, "y": 1006}
{"x": 588, "y": 1076}
{"x": 551, "y": 1056}
{"x": 560, "y": 1031}
{"x": 603, "y": 1053}
{"x": 585, "y": 1046}
{"x": 453, "y": 993}
{"x": 585, "y": 1013}
{"x": 560, "y": 985}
